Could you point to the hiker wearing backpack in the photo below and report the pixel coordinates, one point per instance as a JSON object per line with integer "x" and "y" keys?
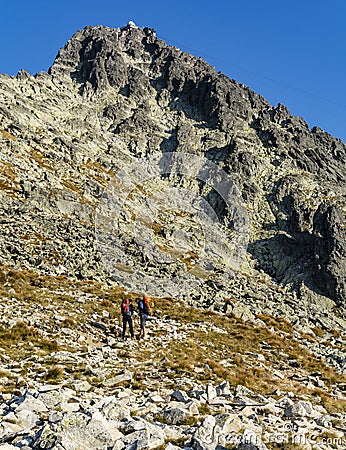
{"x": 127, "y": 313}
{"x": 145, "y": 308}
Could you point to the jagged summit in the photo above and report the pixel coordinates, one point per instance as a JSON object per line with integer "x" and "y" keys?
{"x": 117, "y": 95}
{"x": 94, "y": 54}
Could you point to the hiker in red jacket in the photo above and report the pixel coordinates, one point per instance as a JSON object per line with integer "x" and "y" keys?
{"x": 127, "y": 313}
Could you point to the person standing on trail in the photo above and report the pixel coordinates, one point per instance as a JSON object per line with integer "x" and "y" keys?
{"x": 145, "y": 308}
{"x": 127, "y": 313}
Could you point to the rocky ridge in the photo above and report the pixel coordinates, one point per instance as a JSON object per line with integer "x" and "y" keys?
{"x": 115, "y": 95}
{"x": 112, "y": 97}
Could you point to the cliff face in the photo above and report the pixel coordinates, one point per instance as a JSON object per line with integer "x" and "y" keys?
{"x": 116, "y": 97}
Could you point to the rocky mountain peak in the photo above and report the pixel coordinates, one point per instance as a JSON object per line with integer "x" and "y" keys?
{"x": 136, "y": 63}
{"x": 100, "y": 55}
{"x": 115, "y": 96}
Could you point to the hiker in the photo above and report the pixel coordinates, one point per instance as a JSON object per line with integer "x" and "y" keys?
{"x": 127, "y": 313}
{"x": 145, "y": 308}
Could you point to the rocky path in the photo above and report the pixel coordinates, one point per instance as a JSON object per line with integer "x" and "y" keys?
{"x": 201, "y": 417}
{"x": 96, "y": 391}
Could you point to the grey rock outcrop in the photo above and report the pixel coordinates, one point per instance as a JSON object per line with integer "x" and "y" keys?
{"x": 113, "y": 96}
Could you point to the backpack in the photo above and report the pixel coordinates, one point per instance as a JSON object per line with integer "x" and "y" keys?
{"x": 126, "y": 307}
{"x": 141, "y": 307}
{"x": 148, "y": 305}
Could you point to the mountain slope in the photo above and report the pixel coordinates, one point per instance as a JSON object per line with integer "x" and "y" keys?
{"x": 201, "y": 380}
{"x": 130, "y": 168}
{"x": 114, "y": 96}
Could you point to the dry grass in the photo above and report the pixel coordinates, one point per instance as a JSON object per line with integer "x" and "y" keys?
{"x": 318, "y": 331}
{"x": 55, "y": 374}
{"x": 7, "y": 135}
{"x": 72, "y": 187}
{"x": 99, "y": 173}
{"x": 21, "y": 339}
{"x": 201, "y": 355}
{"x": 8, "y": 178}
{"x": 214, "y": 347}
{"x": 69, "y": 322}
{"x": 40, "y": 158}
{"x": 279, "y": 324}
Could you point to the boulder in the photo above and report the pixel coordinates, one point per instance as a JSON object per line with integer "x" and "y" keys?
{"x": 251, "y": 441}
{"x": 301, "y": 408}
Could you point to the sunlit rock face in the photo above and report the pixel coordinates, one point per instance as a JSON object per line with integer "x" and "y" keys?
{"x": 252, "y": 208}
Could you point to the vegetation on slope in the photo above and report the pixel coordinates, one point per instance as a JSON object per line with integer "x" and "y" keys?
{"x": 185, "y": 342}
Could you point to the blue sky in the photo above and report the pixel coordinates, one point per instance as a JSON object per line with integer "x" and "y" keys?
{"x": 289, "y": 52}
